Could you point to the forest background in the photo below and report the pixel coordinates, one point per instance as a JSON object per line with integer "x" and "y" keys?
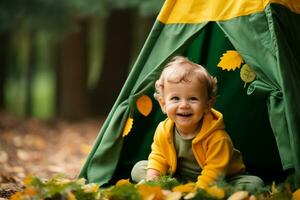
{"x": 69, "y": 58}
{"x": 62, "y": 65}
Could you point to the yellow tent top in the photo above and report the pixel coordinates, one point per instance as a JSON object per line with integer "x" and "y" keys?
{"x": 197, "y": 11}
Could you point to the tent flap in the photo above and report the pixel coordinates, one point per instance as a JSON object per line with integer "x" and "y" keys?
{"x": 266, "y": 35}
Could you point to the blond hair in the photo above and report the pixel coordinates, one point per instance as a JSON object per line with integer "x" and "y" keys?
{"x": 179, "y": 70}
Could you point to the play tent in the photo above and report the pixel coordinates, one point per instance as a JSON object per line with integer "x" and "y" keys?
{"x": 262, "y": 116}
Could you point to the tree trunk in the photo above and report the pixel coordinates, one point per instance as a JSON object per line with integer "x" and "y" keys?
{"x": 117, "y": 53}
{"x": 72, "y": 76}
{"x": 29, "y": 74}
{"x": 142, "y": 27}
{"x": 4, "y": 41}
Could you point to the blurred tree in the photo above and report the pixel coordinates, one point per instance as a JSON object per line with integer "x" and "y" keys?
{"x": 4, "y": 41}
{"x": 116, "y": 60}
{"x": 57, "y": 17}
{"x": 27, "y": 18}
{"x": 127, "y": 26}
{"x": 43, "y": 80}
{"x": 72, "y": 75}
{"x": 16, "y": 83}
{"x": 53, "y": 15}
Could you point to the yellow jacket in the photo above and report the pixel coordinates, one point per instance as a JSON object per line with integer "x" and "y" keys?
{"x": 212, "y": 148}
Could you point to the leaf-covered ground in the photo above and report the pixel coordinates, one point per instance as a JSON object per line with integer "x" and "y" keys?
{"x": 42, "y": 149}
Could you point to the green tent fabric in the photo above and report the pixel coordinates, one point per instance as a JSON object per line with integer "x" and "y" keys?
{"x": 262, "y": 124}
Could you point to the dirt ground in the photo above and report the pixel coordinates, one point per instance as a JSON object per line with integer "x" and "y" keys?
{"x": 42, "y": 149}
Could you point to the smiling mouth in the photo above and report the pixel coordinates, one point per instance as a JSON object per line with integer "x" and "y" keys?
{"x": 184, "y": 114}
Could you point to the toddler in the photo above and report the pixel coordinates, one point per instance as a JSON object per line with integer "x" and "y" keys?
{"x": 191, "y": 144}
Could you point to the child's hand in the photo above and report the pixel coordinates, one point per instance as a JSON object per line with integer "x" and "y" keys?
{"x": 152, "y": 175}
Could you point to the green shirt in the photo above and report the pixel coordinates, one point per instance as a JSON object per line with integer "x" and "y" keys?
{"x": 187, "y": 167}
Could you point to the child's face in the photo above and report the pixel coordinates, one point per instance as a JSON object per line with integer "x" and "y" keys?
{"x": 185, "y": 103}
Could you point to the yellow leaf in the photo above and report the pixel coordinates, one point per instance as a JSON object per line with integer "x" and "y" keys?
{"x": 16, "y": 196}
{"x": 247, "y": 74}
{"x": 28, "y": 180}
{"x": 90, "y": 188}
{"x": 239, "y": 195}
{"x": 123, "y": 182}
{"x": 85, "y": 148}
{"x": 71, "y": 196}
{"x": 144, "y": 105}
{"x": 190, "y": 195}
{"x": 216, "y": 191}
{"x": 150, "y": 192}
{"x": 186, "y": 188}
{"x": 30, "y": 191}
{"x": 296, "y": 195}
{"x": 231, "y": 60}
{"x": 274, "y": 188}
{"x": 173, "y": 196}
{"x": 81, "y": 181}
{"x": 127, "y": 127}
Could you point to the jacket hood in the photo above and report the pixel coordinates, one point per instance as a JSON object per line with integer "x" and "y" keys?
{"x": 212, "y": 121}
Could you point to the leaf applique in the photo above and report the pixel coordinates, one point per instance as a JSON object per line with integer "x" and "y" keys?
{"x": 127, "y": 127}
{"x": 144, "y": 105}
{"x": 247, "y": 74}
{"x": 231, "y": 60}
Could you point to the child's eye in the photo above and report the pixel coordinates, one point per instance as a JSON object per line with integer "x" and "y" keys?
{"x": 175, "y": 98}
{"x": 193, "y": 98}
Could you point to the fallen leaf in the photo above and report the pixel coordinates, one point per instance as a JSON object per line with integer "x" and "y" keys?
{"x": 190, "y": 195}
{"x": 296, "y": 195}
{"x": 28, "y": 155}
{"x": 252, "y": 197}
{"x": 27, "y": 180}
{"x": 274, "y": 188}
{"x": 239, "y": 195}
{"x": 18, "y": 141}
{"x": 81, "y": 181}
{"x": 173, "y": 196}
{"x": 23, "y": 155}
{"x": 186, "y": 188}
{"x": 90, "y": 188}
{"x": 30, "y": 191}
{"x": 16, "y": 169}
{"x": 56, "y": 169}
{"x": 123, "y": 182}
{"x": 150, "y": 192}
{"x": 3, "y": 157}
{"x": 85, "y": 148}
{"x": 216, "y": 191}
{"x": 71, "y": 196}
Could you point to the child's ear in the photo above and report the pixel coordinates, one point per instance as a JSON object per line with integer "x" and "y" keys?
{"x": 210, "y": 104}
{"x": 162, "y": 104}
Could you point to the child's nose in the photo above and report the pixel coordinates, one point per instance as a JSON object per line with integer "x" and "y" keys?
{"x": 184, "y": 104}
